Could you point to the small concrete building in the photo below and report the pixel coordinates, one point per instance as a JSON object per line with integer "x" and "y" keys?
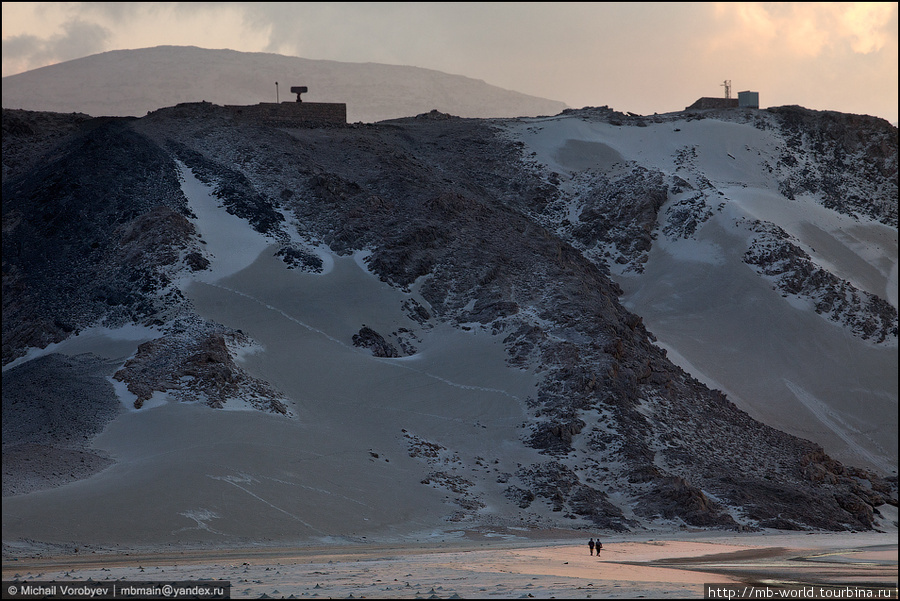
{"x": 748, "y": 100}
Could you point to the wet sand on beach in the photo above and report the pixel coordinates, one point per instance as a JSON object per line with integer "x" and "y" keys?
{"x": 498, "y": 568}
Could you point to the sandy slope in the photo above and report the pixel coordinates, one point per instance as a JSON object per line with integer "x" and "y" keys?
{"x": 341, "y": 466}
{"x": 782, "y": 364}
{"x": 723, "y": 323}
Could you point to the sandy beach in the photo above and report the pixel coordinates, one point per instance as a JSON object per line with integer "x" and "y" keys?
{"x": 481, "y": 564}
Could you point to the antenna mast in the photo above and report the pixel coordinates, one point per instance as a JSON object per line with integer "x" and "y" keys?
{"x": 276, "y": 93}
{"x": 727, "y": 85}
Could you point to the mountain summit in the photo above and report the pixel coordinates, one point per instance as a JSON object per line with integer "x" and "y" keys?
{"x": 134, "y": 82}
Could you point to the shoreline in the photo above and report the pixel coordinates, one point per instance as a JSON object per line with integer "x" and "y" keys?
{"x": 661, "y": 564}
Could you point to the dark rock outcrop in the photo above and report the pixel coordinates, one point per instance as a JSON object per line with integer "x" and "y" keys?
{"x": 372, "y": 340}
{"x": 194, "y": 363}
{"x": 773, "y": 254}
{"x": 53, "y": 407}
{"x": 850, "y": 160}
{"x": 91, "y": 230}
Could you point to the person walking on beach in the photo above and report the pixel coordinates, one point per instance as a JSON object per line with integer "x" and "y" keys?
{"x": 591, "y": 546}
{"x": 599, "y": 546}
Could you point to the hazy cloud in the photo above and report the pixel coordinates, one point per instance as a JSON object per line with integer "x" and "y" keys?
{"x": 804, "y": 30}
{"x": 77, "y": 39}
{"x": 868, "y": 25}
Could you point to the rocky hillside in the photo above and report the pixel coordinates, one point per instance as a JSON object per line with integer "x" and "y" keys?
{"x": 96, "y": 229}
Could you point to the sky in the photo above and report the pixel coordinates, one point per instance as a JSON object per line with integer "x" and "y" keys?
{"x": 638, "y": 57}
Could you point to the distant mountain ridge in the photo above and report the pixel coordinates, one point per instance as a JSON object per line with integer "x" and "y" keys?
{"x": 135, "y": 82}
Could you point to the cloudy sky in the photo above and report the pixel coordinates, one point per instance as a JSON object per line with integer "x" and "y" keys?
{"x": 639, "y": 57}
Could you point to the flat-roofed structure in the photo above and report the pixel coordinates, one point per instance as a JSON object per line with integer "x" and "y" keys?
{"x": 292, "y": 114}
{"x": 713, "y": 103}
{"x": 748, "y": 99}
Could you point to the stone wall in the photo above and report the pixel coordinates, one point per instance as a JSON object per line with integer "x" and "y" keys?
{"x": 292, "y": 114}
{"x": 713, "y": 103}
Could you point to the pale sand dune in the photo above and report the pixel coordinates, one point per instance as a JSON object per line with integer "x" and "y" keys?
{"x": 186, "y": 474}
{"x": 773, "y": 356}
{"x": 785, "y": 366}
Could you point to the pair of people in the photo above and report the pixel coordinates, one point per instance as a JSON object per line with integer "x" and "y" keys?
{"x": 595, "y": 545}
